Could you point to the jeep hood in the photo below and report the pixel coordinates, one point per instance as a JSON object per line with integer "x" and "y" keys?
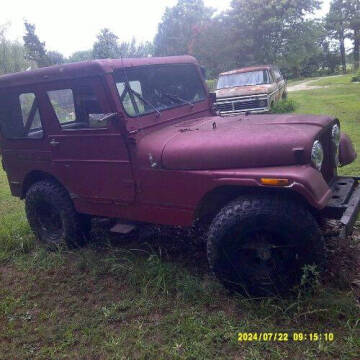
{"x": 232, "y": 142}
{"x": 245, "y": 90}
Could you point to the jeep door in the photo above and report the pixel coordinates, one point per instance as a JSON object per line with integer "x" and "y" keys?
{"x": 89, "y": 154}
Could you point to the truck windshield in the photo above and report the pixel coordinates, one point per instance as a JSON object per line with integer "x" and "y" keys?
{"x": 148, "y": 89}
{"x": 243, "y": 79}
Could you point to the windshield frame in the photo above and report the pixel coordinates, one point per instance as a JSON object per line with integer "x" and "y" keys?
{"x": 153, "y": 112}
{"x": 246, "y": 72}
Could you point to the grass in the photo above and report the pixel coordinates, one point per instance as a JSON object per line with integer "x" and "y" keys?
{"x": 356, "y": 77}
{"x": 14, "y": 230}
{"x": 339, "y": 98}
{"x": 333, "y": 80}
{"x": 121, "y": 299}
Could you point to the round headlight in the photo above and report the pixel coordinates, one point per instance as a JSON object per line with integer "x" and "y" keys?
{"x": 335, "y": 134}
{"x": 317, "y": 154}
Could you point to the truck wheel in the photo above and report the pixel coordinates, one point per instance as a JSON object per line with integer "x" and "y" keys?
{"x": 52, "y": 216}
{"x": 258, "y": 245}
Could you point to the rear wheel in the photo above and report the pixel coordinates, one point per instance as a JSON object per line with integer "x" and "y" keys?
{"x": 52, "y": 216}
{"x": 259, "y": 245}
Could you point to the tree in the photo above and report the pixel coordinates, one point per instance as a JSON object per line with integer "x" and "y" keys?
{"x": 12, "y": 54}
{"x": 81, "y": 55}
{"x": 250, "y": 32}
{"x": 106, "y": 45}
{"x": 336, "y": 22}
{"x": 35, "y": 49}
{"x": 260, "y": 26}
{"x": 331, "y": 59}
{"x": 216, "y": 34}
{"x": 353, "y": 14}
{"x": 55, "y": 58}
{"x": 180, "y": 26}
{"x": 301, "y": 51}
{"x": 132, "y": 49}
{"x": 145, "y": 49}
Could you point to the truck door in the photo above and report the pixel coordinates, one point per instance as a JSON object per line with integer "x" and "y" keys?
{"x": 88, "y": 155}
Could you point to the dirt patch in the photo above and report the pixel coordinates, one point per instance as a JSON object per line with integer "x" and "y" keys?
{"x": 306, "y": 85}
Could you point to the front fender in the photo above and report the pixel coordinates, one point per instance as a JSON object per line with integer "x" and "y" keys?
{"x": 347, "y": 153}
{"x": 182, "y": 195}
{"x": 303, "y": 179}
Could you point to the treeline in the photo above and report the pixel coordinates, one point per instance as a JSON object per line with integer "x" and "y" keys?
{"x": 282, "y": 32}
{"x": 15, "y": 56}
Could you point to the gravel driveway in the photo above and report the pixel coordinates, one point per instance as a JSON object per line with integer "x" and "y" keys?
{"x": 306, "y": 85}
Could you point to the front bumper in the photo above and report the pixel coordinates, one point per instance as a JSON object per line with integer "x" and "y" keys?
{"x": 344, "y": 204}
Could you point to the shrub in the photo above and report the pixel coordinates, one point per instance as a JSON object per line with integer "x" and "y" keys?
{"x": 211, "y": 84}
{"x": 284, "y": 106}
{"x": 356, "y": 77}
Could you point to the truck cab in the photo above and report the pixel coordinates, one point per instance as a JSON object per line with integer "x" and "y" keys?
{"x": 254, "y": 89}
{"x": 138, "y": 140}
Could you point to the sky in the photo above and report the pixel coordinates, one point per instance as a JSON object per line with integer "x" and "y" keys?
{"x": 71, "y": 25}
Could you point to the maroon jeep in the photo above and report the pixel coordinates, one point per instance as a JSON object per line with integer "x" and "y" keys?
{"x": 137, "y": 140}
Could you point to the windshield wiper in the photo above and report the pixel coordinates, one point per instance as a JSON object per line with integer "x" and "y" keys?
{"x": 145, "y": 101}
{"x": 175, "y": 97}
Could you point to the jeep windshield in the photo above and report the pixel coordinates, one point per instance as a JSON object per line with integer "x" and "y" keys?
{"x": 155, "y": 88}
{"x": 259, "y": 77}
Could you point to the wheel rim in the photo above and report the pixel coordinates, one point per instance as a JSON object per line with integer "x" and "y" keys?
{"x": 50, "y": 223}
{"x": 263, "y": 260}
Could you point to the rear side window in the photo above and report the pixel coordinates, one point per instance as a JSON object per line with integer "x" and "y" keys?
{"x": 78, "y": 108}
{"x": 20, "y": 116}
{"x": 30, "y": 111}
{"x": 63, "y": 103}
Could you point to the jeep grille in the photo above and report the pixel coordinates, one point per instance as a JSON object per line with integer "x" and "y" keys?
{"x": 328, "y": 168}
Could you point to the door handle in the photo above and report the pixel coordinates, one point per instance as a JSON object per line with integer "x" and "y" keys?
{"x": 54, "y": 143}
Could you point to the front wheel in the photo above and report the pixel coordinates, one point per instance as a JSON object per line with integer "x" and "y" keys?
{"x": 258, "y": 245}
{"x": 53, "y": 218}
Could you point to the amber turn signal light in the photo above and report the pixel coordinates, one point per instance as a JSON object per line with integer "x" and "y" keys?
{"x": 274, "y": 181}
